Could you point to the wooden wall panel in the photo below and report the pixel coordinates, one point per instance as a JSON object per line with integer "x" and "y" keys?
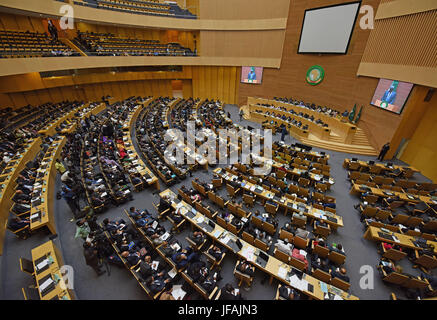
{"x": 411, "y": 117}
{"x": 44, "y": 96}
{"x": 187, "y": 89}
{"x": 5, "y": 100}
{"x": 32, "y": 98}
{"x": 20, "y": 23}
{"x": 411, "y": 43}
{"x": 193, "y": 6}
{"x": 243, "y": 9}
{"x": 421, "y": 150}
{"x": 259, "y": 44}
{"x": 9, "y": 22}
{"x": 397, "y": 8}
{"x": 18, "y": 99}
{"x": 216, "y": 83}
{"x": 411, "y": 40}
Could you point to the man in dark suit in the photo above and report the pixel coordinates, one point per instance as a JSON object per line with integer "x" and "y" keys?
{"x": 197, "y": 237}
{"x": 132, "y": 258}
{"x": 216, "y": 252}
{"x": 17, "y": 223}
{"x": 246, "y": 268}
{"x": 21, "y": 196}
{"x": 384, "y": 151}
{"x": 229, "y": 293}
{"x": 158, "y": 283}
{"x": 340, "y": 275}
{"x": 91, "y": 258}
{"x": 184, "y": 257}
{"x": 289, "y": 293}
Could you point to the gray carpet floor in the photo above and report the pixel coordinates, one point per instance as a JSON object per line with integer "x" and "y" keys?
{"x": 120, "y": 284}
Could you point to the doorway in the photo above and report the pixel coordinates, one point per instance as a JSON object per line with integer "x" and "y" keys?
{"x": 177, "y": 86}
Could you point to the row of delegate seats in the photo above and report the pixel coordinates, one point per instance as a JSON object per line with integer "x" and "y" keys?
{"x": 139, "y": 7}
{"x": 16, "y": 44}
{"x": 311, "y": 106}
{"x": 17, "y": 134}
{"x": 293, "y": 117}
{"x": 106, "y": 44}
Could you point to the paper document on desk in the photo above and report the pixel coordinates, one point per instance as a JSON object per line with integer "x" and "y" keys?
{"x": 34, "y": 216}
{"x": 336, "y": 297}
{"x": 175, "y": 246}
{"x": 226, "y": 239}
{"x": 301, "y": 285}
{"x": 155, "y": 265}
{"x": 42, "y": 264}
{"x": 249, "y": 253}
{"x": 178, "y": 293}
{"x": 45, "y": 284}
{"x": 200, "y": 219}
{"x": 172, "y": 273}
{"x": 282, "y": 272}
{"x": 165, "y": 236}
{"x": 323, "y": 287}
{"x": 217, "y": 233}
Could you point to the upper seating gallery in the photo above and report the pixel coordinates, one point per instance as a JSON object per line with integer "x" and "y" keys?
{"x": 18, "y": 44}
{"x": 107, "y": 44}
{"x": 150, "y": 7}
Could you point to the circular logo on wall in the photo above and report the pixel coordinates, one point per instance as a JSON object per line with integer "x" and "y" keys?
{"x": 315, "y": 75}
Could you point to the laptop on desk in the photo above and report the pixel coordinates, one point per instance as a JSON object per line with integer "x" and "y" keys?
{"x": 331, "y": 219}
{"x": 46, "y": 285}
{"x": 262, "y": 259}
{"x": 190, "y": 214}
{"x": 207, "y": 226}
{"x": 35, "y": 217}
{"x": 235, "y": 245}
{"x": 385, "y": 236}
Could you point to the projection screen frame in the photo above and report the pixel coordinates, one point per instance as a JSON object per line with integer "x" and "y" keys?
{"x": 325, "y": 7}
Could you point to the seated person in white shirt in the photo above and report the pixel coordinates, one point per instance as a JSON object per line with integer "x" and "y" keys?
{"x": 284, "y": 246}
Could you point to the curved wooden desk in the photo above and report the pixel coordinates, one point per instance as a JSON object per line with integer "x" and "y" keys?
{"x": 42, "y": 215}
{"x": 9, "y": 184}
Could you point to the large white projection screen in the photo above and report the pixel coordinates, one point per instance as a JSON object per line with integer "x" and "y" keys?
{"x": 328, "y": 29}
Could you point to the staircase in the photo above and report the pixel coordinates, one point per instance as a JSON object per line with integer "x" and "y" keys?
{"x": 360, "y": 138}
{"x": 71, "y": 45}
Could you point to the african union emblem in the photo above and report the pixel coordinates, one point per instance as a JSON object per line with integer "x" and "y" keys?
{"x": 315, "y": 75}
